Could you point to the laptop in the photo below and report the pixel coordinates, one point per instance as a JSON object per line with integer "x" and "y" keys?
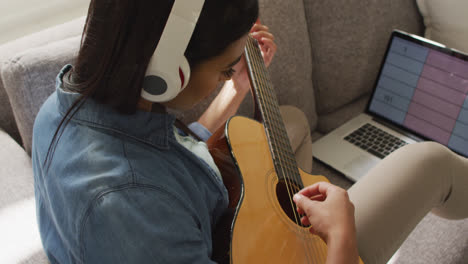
{"x": 420, "y": 94}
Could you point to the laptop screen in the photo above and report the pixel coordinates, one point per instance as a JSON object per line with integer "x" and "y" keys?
{"x": 423, "y": 87}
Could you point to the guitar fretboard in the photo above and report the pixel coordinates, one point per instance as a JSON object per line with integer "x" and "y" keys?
{"x": 267, "y": 102}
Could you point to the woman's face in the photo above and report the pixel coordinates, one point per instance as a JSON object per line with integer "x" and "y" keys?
{"x": 206, "y": 76}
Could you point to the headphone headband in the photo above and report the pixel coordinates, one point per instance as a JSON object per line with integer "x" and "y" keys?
{"x": 168, "y": 64}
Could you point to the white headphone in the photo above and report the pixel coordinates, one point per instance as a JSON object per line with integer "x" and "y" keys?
{"x": 168, "y": 71}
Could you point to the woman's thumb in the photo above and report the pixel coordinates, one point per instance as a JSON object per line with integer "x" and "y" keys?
{"x": 302, "y": 201}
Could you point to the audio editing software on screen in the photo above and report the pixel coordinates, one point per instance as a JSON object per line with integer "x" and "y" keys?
{"x": 426, "y": 91}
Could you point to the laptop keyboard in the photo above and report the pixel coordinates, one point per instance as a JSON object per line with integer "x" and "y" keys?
{"x": 374, "y": 140}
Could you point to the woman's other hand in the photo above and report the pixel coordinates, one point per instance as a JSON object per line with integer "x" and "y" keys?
{"x": 227, "y": 102}
{"x": 268, "y": 48}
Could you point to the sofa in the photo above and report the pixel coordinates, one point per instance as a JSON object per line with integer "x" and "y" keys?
{"x": 328, "y": 57}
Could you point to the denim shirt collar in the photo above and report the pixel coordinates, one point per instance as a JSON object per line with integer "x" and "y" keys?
{"x": 152, "y": 128}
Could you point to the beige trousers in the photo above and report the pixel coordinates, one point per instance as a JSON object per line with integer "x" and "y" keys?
{"x": 396, "y": 194}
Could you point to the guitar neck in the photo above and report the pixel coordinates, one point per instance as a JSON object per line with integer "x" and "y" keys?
{"x": 269, "y": 112}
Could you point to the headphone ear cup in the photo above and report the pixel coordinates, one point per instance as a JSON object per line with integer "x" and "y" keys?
{"x": 160, "y": 84}
{"x": 185, "y": 73}
{"x": 168, "y": 70}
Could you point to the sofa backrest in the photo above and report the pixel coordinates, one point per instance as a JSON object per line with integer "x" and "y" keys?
{"x": 348, "y": 40}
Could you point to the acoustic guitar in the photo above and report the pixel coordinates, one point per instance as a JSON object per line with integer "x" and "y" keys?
{"x": 260, "y": 172}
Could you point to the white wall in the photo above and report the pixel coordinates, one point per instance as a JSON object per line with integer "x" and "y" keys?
{"x": 22, "y": 17}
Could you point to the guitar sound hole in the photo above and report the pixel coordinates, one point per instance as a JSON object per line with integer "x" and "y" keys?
{"x": 284, "y": 192}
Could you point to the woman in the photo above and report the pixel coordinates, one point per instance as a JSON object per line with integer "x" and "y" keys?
{"x": 117, "y": 182}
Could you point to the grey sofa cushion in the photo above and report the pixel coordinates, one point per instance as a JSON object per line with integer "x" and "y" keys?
{"x": 29, "y": 79}
{"x": 349, "y": 40}
{"x": 20, "y": 236}
{"x": 69, "y": 29}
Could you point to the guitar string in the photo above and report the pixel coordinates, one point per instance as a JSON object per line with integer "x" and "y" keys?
{"x": 314, "y": 249}
{"x": 319, "y": 252}
{"x": 261, "y": 97}
{"x": 269, "y": 131}
{"x": 269, "y": 122}
{"x": 286, "y": 142}
{"x": 306, "y": 245}
{"x": 294, "y": 168}
{"x": 285, "y": 146}
{"x": 296, "y": 219}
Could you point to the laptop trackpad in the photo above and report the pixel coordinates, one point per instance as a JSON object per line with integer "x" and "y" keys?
{"x": 359, "y": 165}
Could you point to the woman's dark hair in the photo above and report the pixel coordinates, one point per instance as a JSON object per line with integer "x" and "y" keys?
{"x": 120, "y": 37}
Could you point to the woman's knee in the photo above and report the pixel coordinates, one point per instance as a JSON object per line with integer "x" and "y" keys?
{"x": 296, "y": 123}
{"x": 294, "y": 118}
{"x": 428, "y": 152}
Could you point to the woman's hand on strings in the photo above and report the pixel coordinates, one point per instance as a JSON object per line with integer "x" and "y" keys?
{"x": 327, "y": 209}
{"x": 330, "y": 213}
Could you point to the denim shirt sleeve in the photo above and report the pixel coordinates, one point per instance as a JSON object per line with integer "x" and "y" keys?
{"x": 142, "y": 224}
{"x": 200, "y": 130}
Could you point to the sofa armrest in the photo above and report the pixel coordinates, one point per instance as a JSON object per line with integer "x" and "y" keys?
{"x": 29, "y": 79}
{"x": 53, "y": 34}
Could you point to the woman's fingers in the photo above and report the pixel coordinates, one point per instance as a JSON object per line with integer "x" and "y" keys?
{"x": 258, "y": 27}
{"x": 305, "y": 221}
{"x": 266, "y": 40}
{"x": 268, "y": 49}
{"x": 258, "y": 35}
{"x": 299, "y": 210}
{"x": 318, "y": 198}
{"x": 305, "y": 205}
{"x": 319, "y": 188}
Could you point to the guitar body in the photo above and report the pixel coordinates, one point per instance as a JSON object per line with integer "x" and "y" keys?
{"x": 257, "y": 228}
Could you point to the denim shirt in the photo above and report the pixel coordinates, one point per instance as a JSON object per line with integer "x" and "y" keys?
{"x": 120, "y": 188}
